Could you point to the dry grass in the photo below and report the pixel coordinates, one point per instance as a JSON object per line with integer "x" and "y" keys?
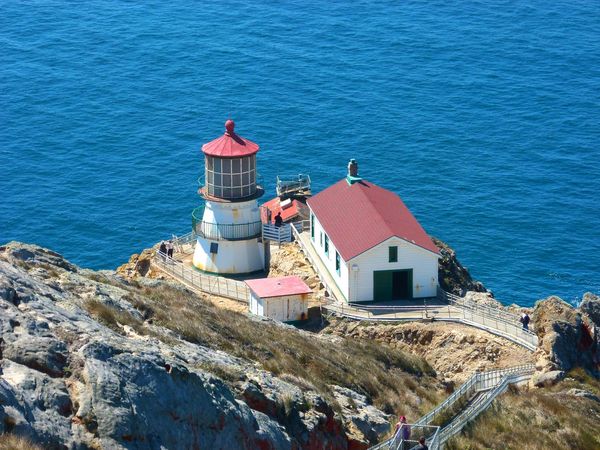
{"x": 12, "y": 442}
{"x": 448, "y": 413}
{"x": 113, "y": 317}
{"x": 537, "y": 420}
{"x": 389, "y": 377}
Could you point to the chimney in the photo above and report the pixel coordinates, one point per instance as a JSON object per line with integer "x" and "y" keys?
{"x": 353, "y": 172}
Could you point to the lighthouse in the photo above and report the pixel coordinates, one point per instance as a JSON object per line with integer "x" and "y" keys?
{"x": 228, "y": 226}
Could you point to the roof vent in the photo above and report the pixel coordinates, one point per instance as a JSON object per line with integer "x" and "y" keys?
{"x": 352, "y": 176}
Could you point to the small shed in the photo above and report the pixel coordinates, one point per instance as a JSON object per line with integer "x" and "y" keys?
{"x": 283, "y": 298}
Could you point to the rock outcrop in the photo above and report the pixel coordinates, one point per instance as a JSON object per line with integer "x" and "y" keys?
{"x": 568, "y": 336}
{"x": 452, "y": 275}
{"x": 82, "y": 367}
{"x": 454, "y": 351}
{"x": 139, "y": 265}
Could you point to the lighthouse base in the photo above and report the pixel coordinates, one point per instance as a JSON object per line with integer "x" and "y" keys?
{"x": 229, "y": 257}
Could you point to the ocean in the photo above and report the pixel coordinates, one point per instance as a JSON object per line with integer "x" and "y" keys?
{"x": 483, "y": 116}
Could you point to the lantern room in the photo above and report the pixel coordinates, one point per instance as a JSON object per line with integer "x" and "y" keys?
{"x": 230, "y": 167}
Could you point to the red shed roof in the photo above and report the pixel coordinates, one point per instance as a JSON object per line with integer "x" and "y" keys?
{"x": 278, "y": 287}
{"x": 359, "y": 216}
{"x": 230, "y": 145}
{"x": 293, "y": 210}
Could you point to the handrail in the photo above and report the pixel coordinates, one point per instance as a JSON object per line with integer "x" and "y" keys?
{"x": 479, "y": 381}
{"x": 307, "y": 254}
{"x": 504, "y": 329}
{"x": 518, "y": 374}
{"x": 493, "y": 318}
{"x": 224, "y": 231}
{"x": 489, "y": 310}
{"x": 489, "y": 319}
{"x": 212, "y": 284}
{"x": 491, "y": 382}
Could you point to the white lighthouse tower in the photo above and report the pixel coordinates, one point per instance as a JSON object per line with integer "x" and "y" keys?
{"x": 228, "y": 226}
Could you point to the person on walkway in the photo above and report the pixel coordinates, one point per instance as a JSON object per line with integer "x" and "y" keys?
{"x": 525, "y": 321}
{"x": 404, "y": 429}
{"x": 170, "y": 249}
{"x": 422, "y": 444}
{"x": 278, "y": 219}
{"x": 162, "y": 249}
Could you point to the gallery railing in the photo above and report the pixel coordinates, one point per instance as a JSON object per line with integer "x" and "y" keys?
{"x": 224, "y": 231}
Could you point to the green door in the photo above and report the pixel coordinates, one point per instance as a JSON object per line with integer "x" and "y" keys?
{"x": 382, "y": 285}
{"x": 392, "y": 285}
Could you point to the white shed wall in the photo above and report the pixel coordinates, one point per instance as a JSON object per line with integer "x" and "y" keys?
{"x": 341, "y": 279}
{"x": 423, "y": 263}
{"x": 284, "y": 309}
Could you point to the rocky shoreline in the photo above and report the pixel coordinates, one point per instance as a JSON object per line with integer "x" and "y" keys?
{"x": 104, "y": 359}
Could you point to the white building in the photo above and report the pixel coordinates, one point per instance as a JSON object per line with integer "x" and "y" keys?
{"x": 283, "y": 298}
{"x": 228, "y": 226}
{"x": 371, "y": 244}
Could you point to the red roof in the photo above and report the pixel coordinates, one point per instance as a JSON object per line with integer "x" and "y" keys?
{"x": 357, "y": 217}
{"x": 287, "y": 213}
{"x": 230, "y": 145}
{"x": 278, "y": 287}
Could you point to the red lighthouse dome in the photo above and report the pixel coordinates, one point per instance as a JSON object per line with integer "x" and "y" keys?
{"x": 230, "y": 145}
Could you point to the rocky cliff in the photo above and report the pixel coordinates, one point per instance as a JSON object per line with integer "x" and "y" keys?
{"x": 569, "y": 336}
{"x": 452, "y": 275}
{"x": 93, "y": 360}
{"x": 89, "y": 360}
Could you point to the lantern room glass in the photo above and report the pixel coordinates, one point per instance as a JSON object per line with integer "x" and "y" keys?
{"x": 231, "y": 178}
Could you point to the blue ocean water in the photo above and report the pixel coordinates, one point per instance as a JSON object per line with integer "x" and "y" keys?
{"x": 483, "y": 116}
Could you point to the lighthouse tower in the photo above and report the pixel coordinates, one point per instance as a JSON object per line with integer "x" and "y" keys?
{"x": 228, "y": 226}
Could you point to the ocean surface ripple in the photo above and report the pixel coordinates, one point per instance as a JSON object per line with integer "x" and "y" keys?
{"x": 482, "y": 116}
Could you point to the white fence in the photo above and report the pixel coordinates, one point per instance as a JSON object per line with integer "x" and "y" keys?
{"x": 279, "y": 234}
{"x": 211, "y": 284}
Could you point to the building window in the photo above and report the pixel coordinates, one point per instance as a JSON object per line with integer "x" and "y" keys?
{"x": 393, "y": 254}
{"x": 337, "y": 262}
{"x": 327, "y": 245}
{"x": 214, "y": 247}
{"x": 312, "y": 226}
{"x": 321, "y": 239}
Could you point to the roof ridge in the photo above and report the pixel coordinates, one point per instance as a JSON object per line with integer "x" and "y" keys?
{"x": 379, "y": 212}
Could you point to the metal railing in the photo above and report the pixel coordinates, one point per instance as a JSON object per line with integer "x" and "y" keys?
{"x": 496, "y": 320}
{"x": 224, "y": 231}
{"x": 444, "y": 313}
{"x": 299, "y": 183}
{"x": 297, "y": 228}
{"x": 279, "y": 234}
{"x": 211, "y": 284}
{"x": 180, "y": 242}
{"x": 387, "y": 313}
{"x": 492, "y": 383}
{"x": 496, "y": 384}
{"x": 493, "y": 320}
{"x": 492, "y": 311}
{"x": 408, "y": 435}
